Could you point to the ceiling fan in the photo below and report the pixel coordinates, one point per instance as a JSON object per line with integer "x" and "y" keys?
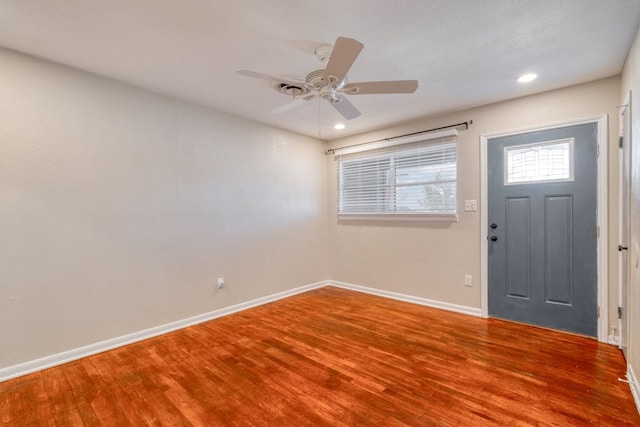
{"x": 330, "y": 83}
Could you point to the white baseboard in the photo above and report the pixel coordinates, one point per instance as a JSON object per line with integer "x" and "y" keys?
{"x": 634, "y": 385}
{"x": 102, "y": 346}
{"x": 99, "y": 347}
{"x": 471, "y": 311}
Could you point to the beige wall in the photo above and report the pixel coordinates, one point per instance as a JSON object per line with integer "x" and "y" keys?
{"x": 429, "y": 259}
{"x": 119, "y": 208}
{"x": 631, "y": 82}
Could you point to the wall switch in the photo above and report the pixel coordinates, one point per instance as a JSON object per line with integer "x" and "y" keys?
{"x": 220, "y": 282}
{"x": 468, "y": 280}
{"x": 470, "y": 205}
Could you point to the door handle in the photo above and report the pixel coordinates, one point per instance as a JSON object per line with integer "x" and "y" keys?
{"x": 622, "y": 248}
{"x": 493, "y": 237}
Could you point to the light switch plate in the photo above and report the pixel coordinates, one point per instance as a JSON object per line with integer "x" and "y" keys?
{"x": 470, "y": 205}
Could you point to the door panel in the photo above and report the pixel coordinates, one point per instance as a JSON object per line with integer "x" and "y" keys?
{"x": 542, "y": 257}
{"x": 517, "y": 247}
{"x": 558, "y": 249}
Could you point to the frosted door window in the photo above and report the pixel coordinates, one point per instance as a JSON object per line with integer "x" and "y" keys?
{"x": 541, "y": 162}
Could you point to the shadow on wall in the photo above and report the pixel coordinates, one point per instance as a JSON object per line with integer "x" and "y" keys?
{"x": 434, "y": 225}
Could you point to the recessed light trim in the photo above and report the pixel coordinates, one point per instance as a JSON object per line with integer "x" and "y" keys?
{"x": 339, "y": 126}
{"x": 526, "y": 78}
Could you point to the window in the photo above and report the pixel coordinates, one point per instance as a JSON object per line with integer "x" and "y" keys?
{"x": 402, "y": 182}
{"x": 539, "y": 162}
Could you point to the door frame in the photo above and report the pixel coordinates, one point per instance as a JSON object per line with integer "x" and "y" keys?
{"x": 602, "y": 212}
{"x": 626, "y": 105}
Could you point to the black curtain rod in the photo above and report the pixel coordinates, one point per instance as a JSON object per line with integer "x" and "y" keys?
{"x": 457, "y": 125}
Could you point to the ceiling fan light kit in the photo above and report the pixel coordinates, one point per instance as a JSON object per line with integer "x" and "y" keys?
{"x": 330, "y": 83}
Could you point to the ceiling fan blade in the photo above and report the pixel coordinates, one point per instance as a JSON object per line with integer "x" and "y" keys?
{"x": 289, "y": 105}
{"x": 275, "y": 79}
{"x": 390, "y": 86}
{"x": 344, "y": 53}
{"x": 345, "y": 108}
{"x": 258, "y": 75}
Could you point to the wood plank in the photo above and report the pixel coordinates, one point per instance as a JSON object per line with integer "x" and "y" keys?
{"x": 340, "y": 358}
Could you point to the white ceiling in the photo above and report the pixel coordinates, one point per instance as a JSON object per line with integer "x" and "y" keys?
{"x": 463, "y": 52}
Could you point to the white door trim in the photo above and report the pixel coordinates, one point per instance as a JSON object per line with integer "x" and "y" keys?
{"x": 625, "y": 105}
{"x": 603, "y": 221}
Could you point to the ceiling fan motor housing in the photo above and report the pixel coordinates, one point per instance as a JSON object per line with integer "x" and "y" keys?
{"x": 315, "y": 79}
{"x": 328, "y": 93}
{"x": 290, "y": 89}
{"x": 316, "y": 85}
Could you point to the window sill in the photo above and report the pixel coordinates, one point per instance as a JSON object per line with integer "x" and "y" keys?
{"x": 400, "y": 217}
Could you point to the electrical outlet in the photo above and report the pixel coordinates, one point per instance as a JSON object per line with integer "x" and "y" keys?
{"x": 468, "y": 280}
{"x": 220, "y": 282}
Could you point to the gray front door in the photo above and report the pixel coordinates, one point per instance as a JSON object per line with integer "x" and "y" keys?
{"x": 542, "y": 198}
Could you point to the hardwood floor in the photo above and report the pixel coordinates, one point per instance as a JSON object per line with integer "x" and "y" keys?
{"x": 340, "y": 358}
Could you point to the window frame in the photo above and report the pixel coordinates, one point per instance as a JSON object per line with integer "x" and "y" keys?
{"x": 399, "y": 216}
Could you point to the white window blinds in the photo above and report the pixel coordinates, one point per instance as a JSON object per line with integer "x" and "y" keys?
{"x": 414, "y": 180}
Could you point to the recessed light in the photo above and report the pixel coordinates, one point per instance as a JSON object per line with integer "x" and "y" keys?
{"x": 527, "y": 78}
{"x": 338, "y": 126}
